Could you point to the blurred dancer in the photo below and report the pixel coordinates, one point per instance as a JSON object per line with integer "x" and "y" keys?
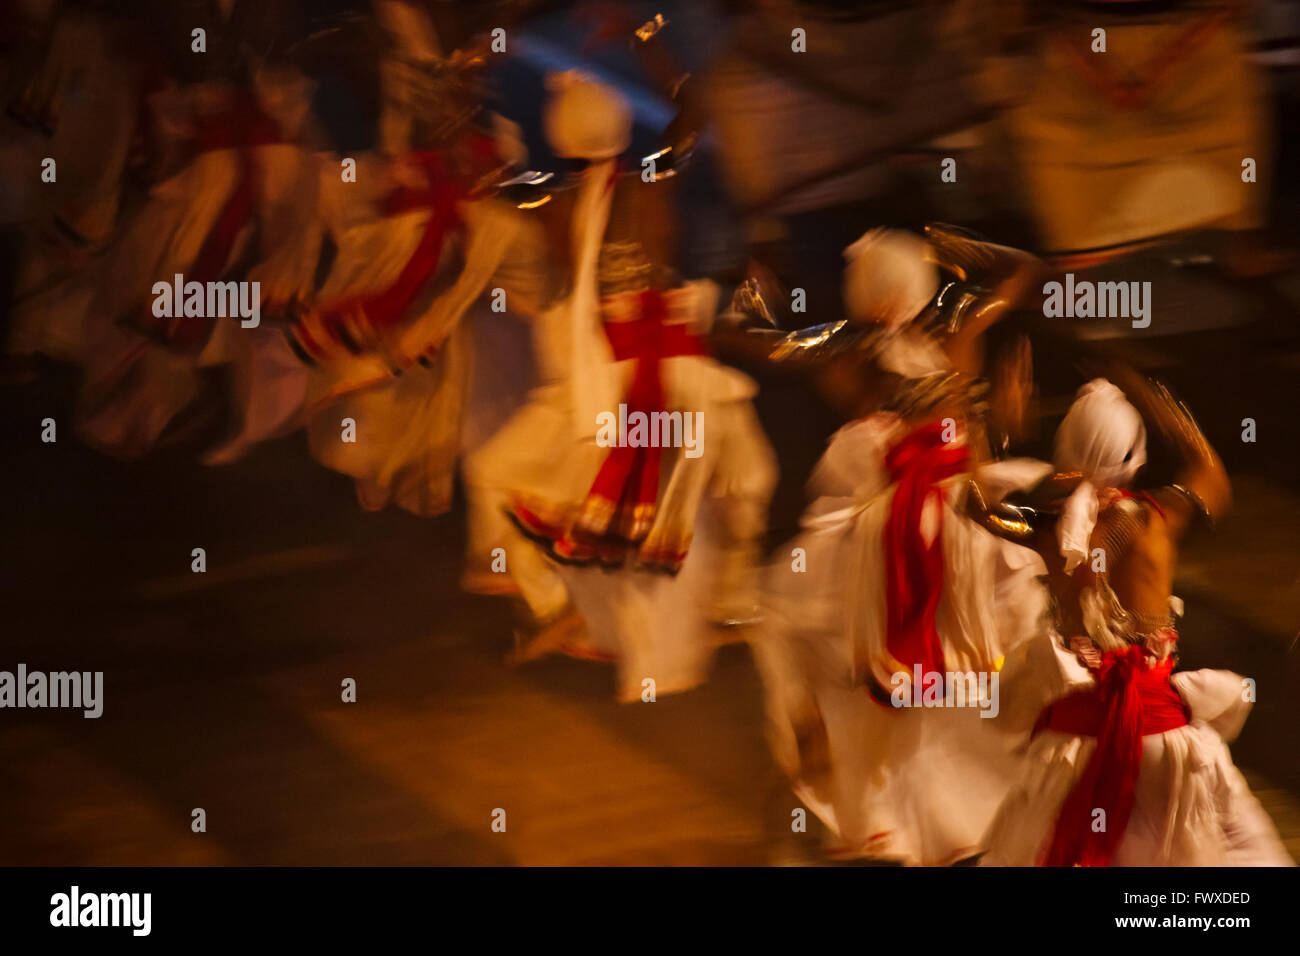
{"x": 655, "y": 535}
{"x": 383, "y": 331}
{"x": 387, "y": 333}
{"x": 243, "y": 208}
{"x": 892, "y": 594}
{"x": 83, "y": 97}
{"x": 1129, "y": 763}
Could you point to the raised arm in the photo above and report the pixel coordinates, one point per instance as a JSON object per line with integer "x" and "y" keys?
{"x": 1202, "y": 487}
{"x": 1009, "y": 273}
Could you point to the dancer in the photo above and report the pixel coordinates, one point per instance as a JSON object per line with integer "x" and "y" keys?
{"x": 243, "y": 208}
{"x": 387, "y": 332}
{"x": 892, "y": 597}
{"x": 654, "y": 535}
{"x": 1129, "y": 764}
{"x": 85, "y": 96}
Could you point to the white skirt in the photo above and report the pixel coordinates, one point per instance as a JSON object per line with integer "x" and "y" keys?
{"x": 655, "y": 625}
{"x": 915, "y": 785}
{"x": 1192, "y": 806}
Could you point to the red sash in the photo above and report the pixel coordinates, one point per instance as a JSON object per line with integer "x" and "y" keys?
{"x": 1130, "y": 701}
{"x": 357, "y": 324}
{"x": 914, "y": 569}
{"x": 620, "y": 507}
{"x": 241, "y": 127}
{"x": 623, "y": 498}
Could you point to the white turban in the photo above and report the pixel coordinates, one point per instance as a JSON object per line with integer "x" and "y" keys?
{"x": 1103, "y": 437}
{"x": 889, "y": 277}
{"x": 586, "y": 119}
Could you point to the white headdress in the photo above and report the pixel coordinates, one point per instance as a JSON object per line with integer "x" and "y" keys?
{"x": 585, "y": 119}
{"x": 1103, "y": 437}
{"x": 889, "y": 277}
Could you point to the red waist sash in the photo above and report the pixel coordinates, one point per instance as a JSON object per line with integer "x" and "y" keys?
{"x": 1130, "y": 701}
{"x": 614, "y": 519}
{"x": 914, "y": 569}
{"x": 623, "y": 497}
{"x": 243, "y": 126}
{"x": 358, "y": 323}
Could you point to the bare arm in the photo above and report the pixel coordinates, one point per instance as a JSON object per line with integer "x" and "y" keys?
{"x": 1010, "y": 272}
{"x": 1202, "y": 481}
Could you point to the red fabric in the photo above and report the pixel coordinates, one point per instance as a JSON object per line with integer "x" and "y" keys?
{"x": 630, "y": 476}
{"x": 376, "y": 314}
{"x": 1130, "y": 701}
{"x": 190, "y": 333}
{"x": 619, "y": 508}
{"x": 241, "y": 127}
{"x": 914, "y": 569}
{"x": 387, "y": 308}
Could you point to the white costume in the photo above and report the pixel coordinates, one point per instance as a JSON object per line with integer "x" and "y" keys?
{"x": 406, "y": 388}
{"x": 1175, "y": 798}
{"x": 705, "y": 508}
{"x": 246, "y": 183}
{"x": 912, "y": 784}
{"x": 408, "y": 426}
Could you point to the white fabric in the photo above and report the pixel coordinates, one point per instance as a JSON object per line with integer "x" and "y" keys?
{"x": 491, "y": 229}
{"x": 131, "y": 391}
{"x": 134, "y": 388}
{"x": 574, "y": 349}
{"x": 1102, "y": 436}
{"x": 291, "y": 227}
{"x": 537, "y": 454}
{"x": 548, "y": 451}
{"x": 1193, "y": 807}
{"x": 162, "y": 239}
{"x": 371, "y": 255}
{"x": 654, "y": 625}
{"x": 888, "y": 278}
{"x": 502, "y": 373}
{"x": 909, "y": 352}
{"x": 890, "y": 789}
{"x": 997, "y": 479}
{"x": 269, "y": 387}
{"x": 407, "y": 435}
{"x": 408, "y": 428}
